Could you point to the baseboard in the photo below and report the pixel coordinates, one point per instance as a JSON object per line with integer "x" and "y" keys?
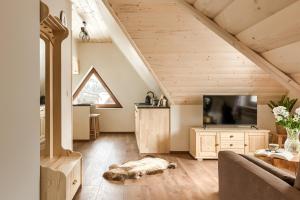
{"x": 116, "y": 133}
{"x": 85, "y": 140}
{"x": 179, "y": 152}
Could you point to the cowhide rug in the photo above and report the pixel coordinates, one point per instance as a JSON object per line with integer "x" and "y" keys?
{"x": 136, "y": 169}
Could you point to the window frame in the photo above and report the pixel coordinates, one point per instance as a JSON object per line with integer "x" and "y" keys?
{"x": 86, "y": 79}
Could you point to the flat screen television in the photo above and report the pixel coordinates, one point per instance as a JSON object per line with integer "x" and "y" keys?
{"x": 229, "y": 110}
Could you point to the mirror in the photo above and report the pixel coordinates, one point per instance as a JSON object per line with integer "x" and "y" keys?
{"x": 42, "y": 93}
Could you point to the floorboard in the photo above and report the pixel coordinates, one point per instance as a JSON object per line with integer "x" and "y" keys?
{"x": 190, "y": 180}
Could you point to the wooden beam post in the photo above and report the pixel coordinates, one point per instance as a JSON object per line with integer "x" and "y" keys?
{"x": 257, "y": 59}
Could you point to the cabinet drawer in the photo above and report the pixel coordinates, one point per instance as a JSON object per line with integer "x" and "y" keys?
{"x": 232, "y": 144}
{"x": 75, "y": 178}
{"x": 238, "y": 151}
{"x": 232, "y": 136}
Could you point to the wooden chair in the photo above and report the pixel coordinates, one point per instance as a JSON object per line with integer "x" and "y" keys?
{"x": 94, "y": 125}
{"x": 278, "y": 138}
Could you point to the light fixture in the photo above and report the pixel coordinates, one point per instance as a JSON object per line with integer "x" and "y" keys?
{"x": 84, "y": 35}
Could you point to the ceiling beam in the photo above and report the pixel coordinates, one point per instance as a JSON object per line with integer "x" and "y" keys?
{"x": 257, "y": 59}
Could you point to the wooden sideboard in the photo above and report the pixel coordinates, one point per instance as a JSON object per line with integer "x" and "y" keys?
{"x": 152, "y": 129}
{"x": 206, "y": 143}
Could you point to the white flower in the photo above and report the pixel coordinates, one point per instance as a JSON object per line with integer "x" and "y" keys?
{"x": 280, "y": 111}
{"x": 297, "y": 111}
{"x": 278, "y": 118}
{"x": 296, "y": 118}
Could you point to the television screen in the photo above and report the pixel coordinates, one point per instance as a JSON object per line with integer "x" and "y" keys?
{"x": 230, "y": 110}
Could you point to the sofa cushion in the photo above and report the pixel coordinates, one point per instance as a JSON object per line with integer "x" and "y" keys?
{"x": 297, "y": 181}
{"x": 273, "y": 170}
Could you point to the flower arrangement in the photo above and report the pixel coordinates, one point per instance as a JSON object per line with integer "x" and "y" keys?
{"x": 292, "y": 124}
{"x": 285, "y": 119}
{"x": 286, "y": 102}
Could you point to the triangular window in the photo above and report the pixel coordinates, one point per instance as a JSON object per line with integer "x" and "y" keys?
{"x": 93, "y": 90}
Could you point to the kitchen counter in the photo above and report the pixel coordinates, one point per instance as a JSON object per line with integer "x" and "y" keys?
{"x": 147, "y": 106}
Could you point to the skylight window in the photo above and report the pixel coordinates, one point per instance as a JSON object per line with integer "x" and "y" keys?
{"x": 93, "y": 90}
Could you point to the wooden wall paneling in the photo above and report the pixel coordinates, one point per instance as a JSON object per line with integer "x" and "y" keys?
{"x": 277, "y": 74}
{"x": 191, "y": 1}
{"x": 240, "y": 15}
{"x": 187, "y": 57}
{"x": 286, "y": 58}
{"x": 278, "y": 30}
{"x": 296, "y": 77}
{"x": 127, "y": 45}
{"x": 212, "y": 8}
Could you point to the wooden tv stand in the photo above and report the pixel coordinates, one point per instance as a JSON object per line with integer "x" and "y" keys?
{"x": 205, "y": 143}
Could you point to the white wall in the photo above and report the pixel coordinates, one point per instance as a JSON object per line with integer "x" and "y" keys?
{"x": 183, "y": 117}
{"x": 19, "y": 100}
{"x": 120, "y": 77}
{"x": 55, "y": 7}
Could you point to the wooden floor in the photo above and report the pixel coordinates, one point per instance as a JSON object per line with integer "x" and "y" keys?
{"x": 190, "y": 180}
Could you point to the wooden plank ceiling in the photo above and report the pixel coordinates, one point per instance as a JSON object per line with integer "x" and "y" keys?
{"x": 188, "y": 58}
{"x": 269, "y": 27}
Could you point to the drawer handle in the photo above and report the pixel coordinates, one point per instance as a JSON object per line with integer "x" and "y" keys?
{"x": 231, "y": 136}
{"x": 74, "y": 182}
{"x": 246, "y": 145}
{"x": 231, "y": 145}
{"x": 217, "y": 145}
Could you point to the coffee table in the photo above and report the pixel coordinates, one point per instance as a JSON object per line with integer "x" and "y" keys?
{"x": 290, "y": 166}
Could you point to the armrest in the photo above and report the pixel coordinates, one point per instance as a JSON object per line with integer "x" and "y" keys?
{"x": 242, "y": 179}
{"x": 271, "y": 169}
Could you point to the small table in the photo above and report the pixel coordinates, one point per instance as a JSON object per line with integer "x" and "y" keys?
{"x": 290, "y": 166}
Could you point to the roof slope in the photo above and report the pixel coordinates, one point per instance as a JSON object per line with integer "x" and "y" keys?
{"x": 269, "y": 27}
{"x": 188, "y": 58}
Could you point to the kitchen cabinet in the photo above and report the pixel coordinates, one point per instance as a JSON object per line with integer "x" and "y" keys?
{"x": 152, "y": 129}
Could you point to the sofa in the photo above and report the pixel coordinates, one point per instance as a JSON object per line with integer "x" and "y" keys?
{"x": 248, "y": 178}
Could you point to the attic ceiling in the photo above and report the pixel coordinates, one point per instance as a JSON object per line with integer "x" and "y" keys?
{"x": 269, "y": 27}
{"x": 188, "y": 58}
{"x": 85, "y": 10}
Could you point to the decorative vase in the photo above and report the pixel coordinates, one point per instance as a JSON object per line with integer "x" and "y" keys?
{"x": 292, "y": 143}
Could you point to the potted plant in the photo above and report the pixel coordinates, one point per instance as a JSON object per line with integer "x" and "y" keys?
{"x": 286, "y": 102}
{"x": 291, "y": 122}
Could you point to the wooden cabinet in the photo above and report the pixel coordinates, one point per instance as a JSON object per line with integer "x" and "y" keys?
{"x": 137, "y": 127}
{"x": 232, "y": 141}
{"x": 61, "y": 176}
{"x": 255, "y": 140}
{"x": 81, "y": 122}
{"x": 206, "y": 143}
{"x": 152, "y": 129}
